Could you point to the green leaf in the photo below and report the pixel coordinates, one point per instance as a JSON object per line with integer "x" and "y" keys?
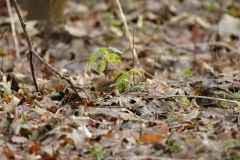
{"x": 158, "y": 153}
{"x": 5, "y": 124}
{"x": 56, "y": 96}
{"x": 115, "y": 50}
{"x": 113, "y": 58}
{"x": 170, "y": 115}
{"x": 25, "y": 126}
{"x": 116, "y": 23}
{"x": 231, "y": 143}
{"x": 72, "y": 119}
{"x": 211, "y": 5}
{"x": 174, "y": 53}
{"x": 136, "y": 71}
{"x": 121, "y": 85}
{"x": 123, "y": 81}
{"x": 138, "y": 88}
{"x": 24, "y": 118}
{"x": 94, "y": 57}
{"x": 102, "y": 65}
{"x": 237, "y": 95}
{"x": 6, "y": 88}
{"x": 122, "y": 76}
{"x": 117, "y": 31}
{"x": 188, "y": 72}
{"x": 98, "y": 151}
{"x": 104, "y": 51}
{"x": 185, "y": 100}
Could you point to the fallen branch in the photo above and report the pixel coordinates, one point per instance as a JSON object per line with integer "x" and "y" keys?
{"x": 31, "y": 50}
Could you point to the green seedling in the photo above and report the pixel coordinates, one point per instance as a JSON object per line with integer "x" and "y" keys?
{"x": 170, "y": 116}
{"x": 188, "y": 73}
{"x": 123, "y": 78}
{"x": 98, "y": 151}
{"x": 173, "y": 148}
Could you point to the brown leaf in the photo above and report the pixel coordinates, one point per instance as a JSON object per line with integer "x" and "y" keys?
{"x": 10, "y": 155}
{"x": 35, "y": 147}
{"x": 59, "y": 87}
{"x": 151, "y": 138}
{"x": 69, "y": 141}
{"x": 164, "y": 128}
{"x": 48, "y": 157}
{"x": 52, "y": 109}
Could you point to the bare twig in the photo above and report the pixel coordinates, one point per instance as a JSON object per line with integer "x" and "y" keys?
{"x": 237, "y": 52}
{"x": 216, "y": 56}
{"x": 212, "y": 54}
{"x": 195, "y": 47}
{"x": 3, "y": 38}
{"x": 133, "y": 54}
{"x": 200, "y": 44}
{"x": 45, "y": 39}
{"x": 108, "y": 27}
{"x": 203, "y": 97}
{"x": 128, "y": 33}
{"x": 31, "y": 49}
{"x": 13, "y": 28}
{"x": 32, "y": 70}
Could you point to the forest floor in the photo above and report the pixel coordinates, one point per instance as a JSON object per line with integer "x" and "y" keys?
{"x": 184, "y": 103}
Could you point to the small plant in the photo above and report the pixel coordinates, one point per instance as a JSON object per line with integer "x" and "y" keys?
{"x": 188, "y": 73}
{"x": 158, "y": 153}
{"x": 186, "y": 101}
{"x": 123, "y": 78}
{"x": 24, "y": 118}
{"x": 98, "y": 151}
{"x": 170, "y": 116}
{"x": 211, "y": 5}
{"x": 174, "y": 148}
{"x": 231, "y": 144}
{"x": 209, "y": 125}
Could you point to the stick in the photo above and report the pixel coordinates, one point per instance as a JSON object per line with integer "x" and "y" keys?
{"x": 236, "y": 62}
{"x": 13, "y": 28}
{"x": 31, "y": 49}
{"x": 203, "y": 97}
{"x": 127, "y": 30}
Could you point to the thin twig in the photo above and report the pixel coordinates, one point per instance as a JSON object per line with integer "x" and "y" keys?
{"x": 212, "y": 55}
{"x": 195, "y": 46}
{"x": 146, "y": 73}
{"x": 32, "y": 70}
{"x": 45, "y": 39}
{"x": 31, "y": 49}
{"x": 236, "y": 62}
{"x": 13, "y": 28}
{"x": 133, "y": 54}
{"x": 108, "y": 27}
{"x": 3, "y": 38}
{"x": 127, "y": 31}
{"x": 217, "y": 61}
{"x": 204, "y": 97}
{"x": 200, "y": 44}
